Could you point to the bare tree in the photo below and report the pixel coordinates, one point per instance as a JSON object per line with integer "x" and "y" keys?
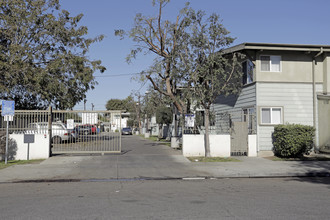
{"x": 162, "y": 38}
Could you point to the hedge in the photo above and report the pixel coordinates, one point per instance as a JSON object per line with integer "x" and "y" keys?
{"x": 293, "y": 140}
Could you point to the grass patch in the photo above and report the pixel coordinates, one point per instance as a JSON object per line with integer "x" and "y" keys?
{"x": 19, "y": 162}
{"x": 155, "y": 139}
{"x": 304, "y": 158}
{"x": 213, "y": 159}
{"x": 165, "y": 142}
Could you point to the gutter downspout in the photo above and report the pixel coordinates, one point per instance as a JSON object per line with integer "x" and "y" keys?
{"x": 314, "y": 93}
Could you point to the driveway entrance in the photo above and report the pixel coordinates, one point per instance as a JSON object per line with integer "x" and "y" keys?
{"x": 87, "y": 132}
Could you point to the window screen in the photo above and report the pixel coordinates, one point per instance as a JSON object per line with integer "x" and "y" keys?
{"x": 276, "y": 63}
{"x": 265, "y": 116}
{"x": 276, "y": 116}
{"x": 265, "y": 63}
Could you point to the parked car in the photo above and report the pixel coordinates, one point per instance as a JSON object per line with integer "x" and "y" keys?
{"x": 59, "y": 131}
{"x": 127, "y": 131}
{"x": 86, "y": 129}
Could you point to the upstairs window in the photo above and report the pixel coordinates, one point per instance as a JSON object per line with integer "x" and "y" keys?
{"x": 270, "y": 63}
{"x": 247, "y": 72}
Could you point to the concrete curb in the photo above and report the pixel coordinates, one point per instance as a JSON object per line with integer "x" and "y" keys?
{"x": 297, "y": 175}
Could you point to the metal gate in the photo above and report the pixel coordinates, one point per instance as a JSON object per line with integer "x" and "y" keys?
{"x": 71, "y": 131}
{"x": 86, "y": 132}
{"x": 239, "y": 139}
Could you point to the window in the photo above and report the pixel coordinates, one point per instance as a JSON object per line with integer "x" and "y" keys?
{"x": 247, "y": 72}
{"x": 271, "y": 115}
{"x": 270, "y": 63}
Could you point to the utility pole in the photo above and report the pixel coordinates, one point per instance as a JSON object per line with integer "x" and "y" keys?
{"x": 85, "y": 104}
{"x": 92, "y": 106}
{"x": 139, "y": 112}
{"x": 146, "y": 115}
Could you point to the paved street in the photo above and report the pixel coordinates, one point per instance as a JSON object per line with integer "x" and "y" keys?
{"x": 147, "y": 182}
{"x": 287, "y": 198}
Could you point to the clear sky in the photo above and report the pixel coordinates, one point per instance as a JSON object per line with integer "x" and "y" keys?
{"x": 264, "y": 21}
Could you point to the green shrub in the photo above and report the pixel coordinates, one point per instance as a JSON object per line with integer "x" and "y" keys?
{"x": 293, "y": 140}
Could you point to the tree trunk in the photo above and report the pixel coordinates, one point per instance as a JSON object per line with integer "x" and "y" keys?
{"x": 175, "y": 122}
{"x": 207, "y": 133}
{"x": 160, "y": 131}
{"x": 183, "y": 118}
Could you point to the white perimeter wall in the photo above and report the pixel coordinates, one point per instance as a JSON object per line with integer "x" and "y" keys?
{"x": 37, "y": 150}
{"x": 220, "y": 145}
{"x": 193, "y": 145}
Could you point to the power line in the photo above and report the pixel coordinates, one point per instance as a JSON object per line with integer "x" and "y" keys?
{"x": 118, "y": 75}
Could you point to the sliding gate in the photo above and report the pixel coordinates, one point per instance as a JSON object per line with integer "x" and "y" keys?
{"x": 86, "y": 132}
{"x": 69, "y": 131}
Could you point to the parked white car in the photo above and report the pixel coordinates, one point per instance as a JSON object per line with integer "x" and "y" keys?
{"x": 59, "y": 131}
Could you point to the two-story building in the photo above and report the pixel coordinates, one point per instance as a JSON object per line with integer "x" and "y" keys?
{"x": 282, "y": 83}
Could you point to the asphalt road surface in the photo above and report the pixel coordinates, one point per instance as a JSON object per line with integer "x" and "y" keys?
{"x": 287, "y": 198}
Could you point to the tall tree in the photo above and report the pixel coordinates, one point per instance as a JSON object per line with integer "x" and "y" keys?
{"x": 189, "y": 52}
{"x": 43, "y": 55}
{"x": 208, "y": 71}
{"x": 115, "y": 104}
{"x": 126, "y": 105}
{"x": 162, "y": 38}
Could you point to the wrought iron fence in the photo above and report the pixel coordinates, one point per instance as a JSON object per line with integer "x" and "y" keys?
{"x": 70, "y": 131}
{"x": 23, "y": 121}
{"x": 225, "y": 120}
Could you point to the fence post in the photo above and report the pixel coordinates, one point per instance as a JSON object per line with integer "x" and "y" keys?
{"x": 50, "y": 114}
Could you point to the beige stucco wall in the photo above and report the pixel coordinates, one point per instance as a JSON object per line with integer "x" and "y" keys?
{"x": 295, "y": 67}
{"x": 326, "y": 73}
{"x": 324, "y": 122}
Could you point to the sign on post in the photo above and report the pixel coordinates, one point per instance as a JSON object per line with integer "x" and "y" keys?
{"x": 189, "y": 120}
{"x": 8, "y": 108}
{"x": 7, "y": 111}
{"x": 28, "y": 139}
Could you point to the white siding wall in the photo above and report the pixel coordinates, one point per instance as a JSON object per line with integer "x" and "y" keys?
{"x": 233, "y": 105}
{"x": 247, "y": 98}
{"x": 296, "y": 100}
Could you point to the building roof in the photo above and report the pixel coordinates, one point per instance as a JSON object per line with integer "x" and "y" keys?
{"x": 282, "y": 47}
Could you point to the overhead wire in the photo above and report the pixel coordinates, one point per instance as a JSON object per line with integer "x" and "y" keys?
{"x": 117, "y": 75}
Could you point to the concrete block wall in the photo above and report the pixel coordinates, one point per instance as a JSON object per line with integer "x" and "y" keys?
{"x": 220, "y": 145}
{"x": 193, "y": 145}
{"x": 18, "y": 150}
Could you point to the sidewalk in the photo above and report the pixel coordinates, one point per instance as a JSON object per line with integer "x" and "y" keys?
{"x": 143, "y": 159}
{"x": 73, "y": 169}
{"x": 262, "y": 167}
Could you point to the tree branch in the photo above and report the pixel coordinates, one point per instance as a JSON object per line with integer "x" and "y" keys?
{"x": 155, "y": 86}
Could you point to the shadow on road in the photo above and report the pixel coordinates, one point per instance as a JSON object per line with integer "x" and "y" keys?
{"x": 317, "y": 172}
